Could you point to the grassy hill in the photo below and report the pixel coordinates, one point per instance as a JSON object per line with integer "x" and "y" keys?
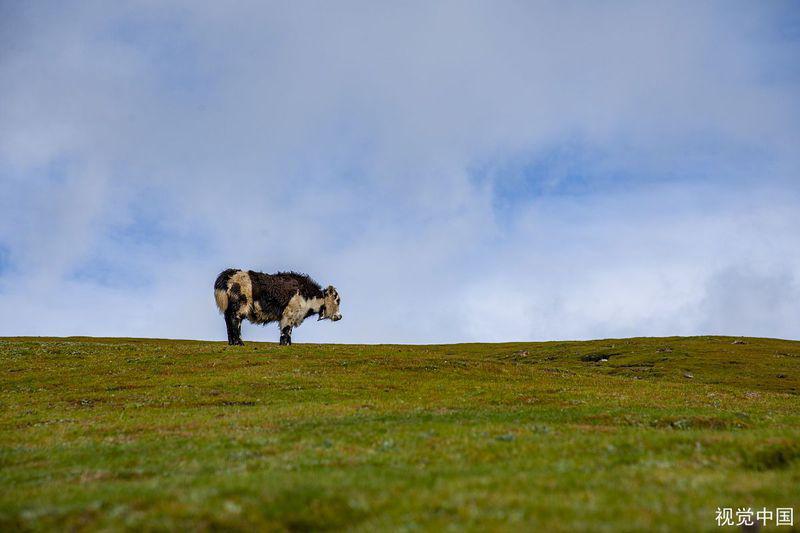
{"x": 628, "y": 434}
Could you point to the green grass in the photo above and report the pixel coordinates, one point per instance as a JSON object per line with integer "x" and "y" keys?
{"x": 156, "y": 434}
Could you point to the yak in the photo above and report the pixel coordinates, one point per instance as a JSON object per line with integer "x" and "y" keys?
{"x": 285, "y": 297}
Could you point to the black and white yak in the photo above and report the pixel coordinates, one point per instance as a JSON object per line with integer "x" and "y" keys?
{"x": 286, "y": 297}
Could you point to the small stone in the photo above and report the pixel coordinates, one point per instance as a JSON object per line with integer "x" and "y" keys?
{"x": 738, "y": 341}
{"x": 688, "y": 375}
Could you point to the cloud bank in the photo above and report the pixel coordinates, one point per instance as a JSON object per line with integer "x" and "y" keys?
{"x": 461, "y": 171}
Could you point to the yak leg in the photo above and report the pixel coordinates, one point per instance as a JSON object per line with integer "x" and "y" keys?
{"x": 286, "y": 336}
{"x": 229, "y": 326}
{"x": 237, "y": 331}
{"x": 238, "y": 324}
{"x": 234, "y": 323}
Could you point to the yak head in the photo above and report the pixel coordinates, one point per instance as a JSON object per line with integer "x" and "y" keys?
{"x": 330, "y": 309}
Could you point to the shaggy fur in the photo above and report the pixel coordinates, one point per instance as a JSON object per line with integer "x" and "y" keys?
{"x": 284, "y": 297}
{"x": 274, "y": 291}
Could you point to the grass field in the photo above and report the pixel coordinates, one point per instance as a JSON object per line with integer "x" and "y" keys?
{"x": 615, "y": 435}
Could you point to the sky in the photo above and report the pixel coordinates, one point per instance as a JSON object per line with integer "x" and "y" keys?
{"x": 461, "y": 171}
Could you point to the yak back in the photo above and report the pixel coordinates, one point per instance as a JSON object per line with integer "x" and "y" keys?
{"x": 275, "y": 290}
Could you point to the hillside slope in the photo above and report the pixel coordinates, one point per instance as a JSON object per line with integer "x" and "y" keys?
{"x": 630, "y": 434}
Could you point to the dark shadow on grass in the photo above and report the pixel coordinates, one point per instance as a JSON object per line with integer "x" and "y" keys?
{"x": 772, "y": 457}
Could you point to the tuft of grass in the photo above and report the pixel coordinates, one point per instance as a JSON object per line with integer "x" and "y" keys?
{"x": 772, "y": 456}
{"x": 607, "y": 435}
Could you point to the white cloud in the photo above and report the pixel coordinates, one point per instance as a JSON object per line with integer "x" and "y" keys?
{"x": 369, "y": 146}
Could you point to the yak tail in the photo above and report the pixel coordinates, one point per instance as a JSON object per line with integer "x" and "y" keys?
{"x": 221, "y": 288}
{"x": 222, "y": 300}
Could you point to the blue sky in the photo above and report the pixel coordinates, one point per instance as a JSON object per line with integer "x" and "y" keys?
{"x": 461, "y": 171}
